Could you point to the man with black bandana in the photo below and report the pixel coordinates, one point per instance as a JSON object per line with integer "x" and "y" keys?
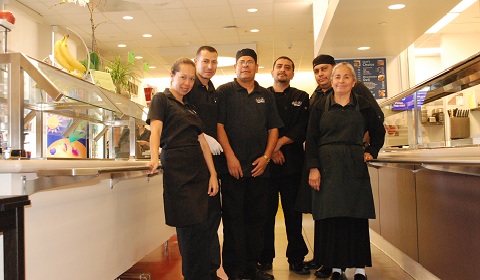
{"x": 247, "y": 127}
{"x": 286, "y": 169}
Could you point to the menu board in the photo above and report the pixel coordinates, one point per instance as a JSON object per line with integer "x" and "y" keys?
{"x": 407, "y": 103}
{"x": 372, "y": 72}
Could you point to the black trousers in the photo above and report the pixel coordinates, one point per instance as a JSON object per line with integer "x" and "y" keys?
{"x": 287, "y": 187}
{"x": 244, "y": 208}
{"x": 194, "y": 245}
{"x": 214, "y": 217}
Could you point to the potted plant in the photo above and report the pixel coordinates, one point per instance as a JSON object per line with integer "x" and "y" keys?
{"x": 122, "y": 73}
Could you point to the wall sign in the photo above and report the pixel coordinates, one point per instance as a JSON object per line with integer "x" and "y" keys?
{"x": 372, "y": 72}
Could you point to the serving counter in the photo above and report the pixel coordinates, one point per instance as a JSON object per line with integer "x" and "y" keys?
{"x": 426, "y": 181}
{"x": 88, "y": 219}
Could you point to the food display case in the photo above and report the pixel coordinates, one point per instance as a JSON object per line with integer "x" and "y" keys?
{"x": 426, "y": 179}
{"x": 92, "y": 216}
{"x": 442, "y": 111}
{"x": 37, "y": 99}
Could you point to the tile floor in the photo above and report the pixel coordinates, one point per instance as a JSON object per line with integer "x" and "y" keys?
{"x": 164, "y": 263}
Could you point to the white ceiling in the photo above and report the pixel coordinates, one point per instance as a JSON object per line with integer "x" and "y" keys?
{"x": 179, "y": 27}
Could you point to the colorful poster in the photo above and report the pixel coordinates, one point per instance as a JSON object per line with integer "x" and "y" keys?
{"x": 66, "y": 146}
{"x": 372, "y": 72}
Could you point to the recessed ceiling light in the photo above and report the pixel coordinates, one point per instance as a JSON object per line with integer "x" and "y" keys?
{"x": 138, "y": 57}
{"x": 382, "y": 23}
{"x": 396, "y": 6}
{"x": 147, "y": 35}
{"x": 252, "y": 10}
{"x": 121, "y": 45}
{"x": 127, "y": 17}
{"x": 254, "y": 30}
{"x": 363, "y": 48}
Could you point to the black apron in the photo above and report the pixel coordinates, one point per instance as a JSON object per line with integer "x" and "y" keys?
{"x": 345, "y": 189}
{"x": 185, "y": 186}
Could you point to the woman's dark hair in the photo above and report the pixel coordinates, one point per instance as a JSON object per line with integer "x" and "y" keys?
{"x": 178, "y": 62}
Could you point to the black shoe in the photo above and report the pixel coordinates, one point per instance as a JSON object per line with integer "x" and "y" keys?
{"x": 312, "y": 264}
{"x": 265, "y": 266}
{"x": 336, "y": 276}
{"x": 323, "y": 272}
{"x": 262, "y": 275}
{"x": 214, "y": 276}
{"x": 299, "y": 268}
{"x": 360, "y": 277}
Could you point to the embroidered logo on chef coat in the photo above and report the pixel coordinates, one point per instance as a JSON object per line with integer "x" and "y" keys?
{"x": 260, "y": 99}
{"x": 297, "y": 103}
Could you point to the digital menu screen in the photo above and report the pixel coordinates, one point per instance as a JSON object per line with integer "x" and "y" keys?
{"x": 372, "y": 72}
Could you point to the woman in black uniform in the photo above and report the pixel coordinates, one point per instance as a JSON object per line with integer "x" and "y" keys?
{"x": 343, "y": 200}
{"x": 189, "y": 176}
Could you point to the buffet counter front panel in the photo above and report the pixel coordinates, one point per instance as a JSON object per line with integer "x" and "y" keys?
{"x": 87, "y": 226}
{"x": 427, "y": 207}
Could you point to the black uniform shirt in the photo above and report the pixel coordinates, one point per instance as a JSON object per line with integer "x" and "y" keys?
{"x": 247, "y": 119}
{"x": 292, "y": 105}
{"x": 205, "y": 102}
{"x": 181, "y": 124}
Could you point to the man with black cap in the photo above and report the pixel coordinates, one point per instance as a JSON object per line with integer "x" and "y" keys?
{"x": 322, "y": 69}
{"x": 247, "y": 129}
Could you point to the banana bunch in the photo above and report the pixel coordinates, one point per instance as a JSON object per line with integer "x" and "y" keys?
{"x": 65, "y": 58}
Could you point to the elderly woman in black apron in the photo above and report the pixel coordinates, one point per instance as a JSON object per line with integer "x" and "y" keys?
{"x": 342, "y": 199}
{"x": 189, "y": 176}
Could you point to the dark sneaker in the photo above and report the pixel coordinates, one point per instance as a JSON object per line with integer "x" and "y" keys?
{"x": 265, "y": 266}
{"x": 262, "y": 275}
{"x": 360, "y": 277}
{"x": 312, "y": 264}
{"x": 299, "y": 268}
{"x": 323, "y": 272}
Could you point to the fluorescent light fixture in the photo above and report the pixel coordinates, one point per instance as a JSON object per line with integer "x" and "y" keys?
{"x": 455, "y": 12}
{"x": 462, "y": 6}
{"x": 152, "y": 67}
{"x": 121, "y": 45}
{"x": 427, "y": 51}
{"x": 147, "y": 35}
{"x": 252, "y": 10}
{"x": 254, "y": 30}
{"x": 363, "y": 48}
{"x": 127, "y": 17}
{"x": 442, "y": 23}
{"x": 138, "y": 57}
{"x": 396, "y": 6}
{"x": 225, "y": 61}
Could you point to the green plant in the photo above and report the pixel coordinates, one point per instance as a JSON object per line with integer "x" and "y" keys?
{"x": 122, "y": 72}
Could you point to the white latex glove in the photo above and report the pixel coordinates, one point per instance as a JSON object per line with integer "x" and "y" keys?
{"x": 215, "y": 147}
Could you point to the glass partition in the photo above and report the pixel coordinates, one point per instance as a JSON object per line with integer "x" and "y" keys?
{"x": 440, "y": 112}
{"x": 46, "y": 112}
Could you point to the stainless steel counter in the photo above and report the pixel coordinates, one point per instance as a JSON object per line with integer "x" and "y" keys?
{"x": 464, "y": 160}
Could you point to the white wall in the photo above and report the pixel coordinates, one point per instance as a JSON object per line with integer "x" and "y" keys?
{"x": 457, "y": 47}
